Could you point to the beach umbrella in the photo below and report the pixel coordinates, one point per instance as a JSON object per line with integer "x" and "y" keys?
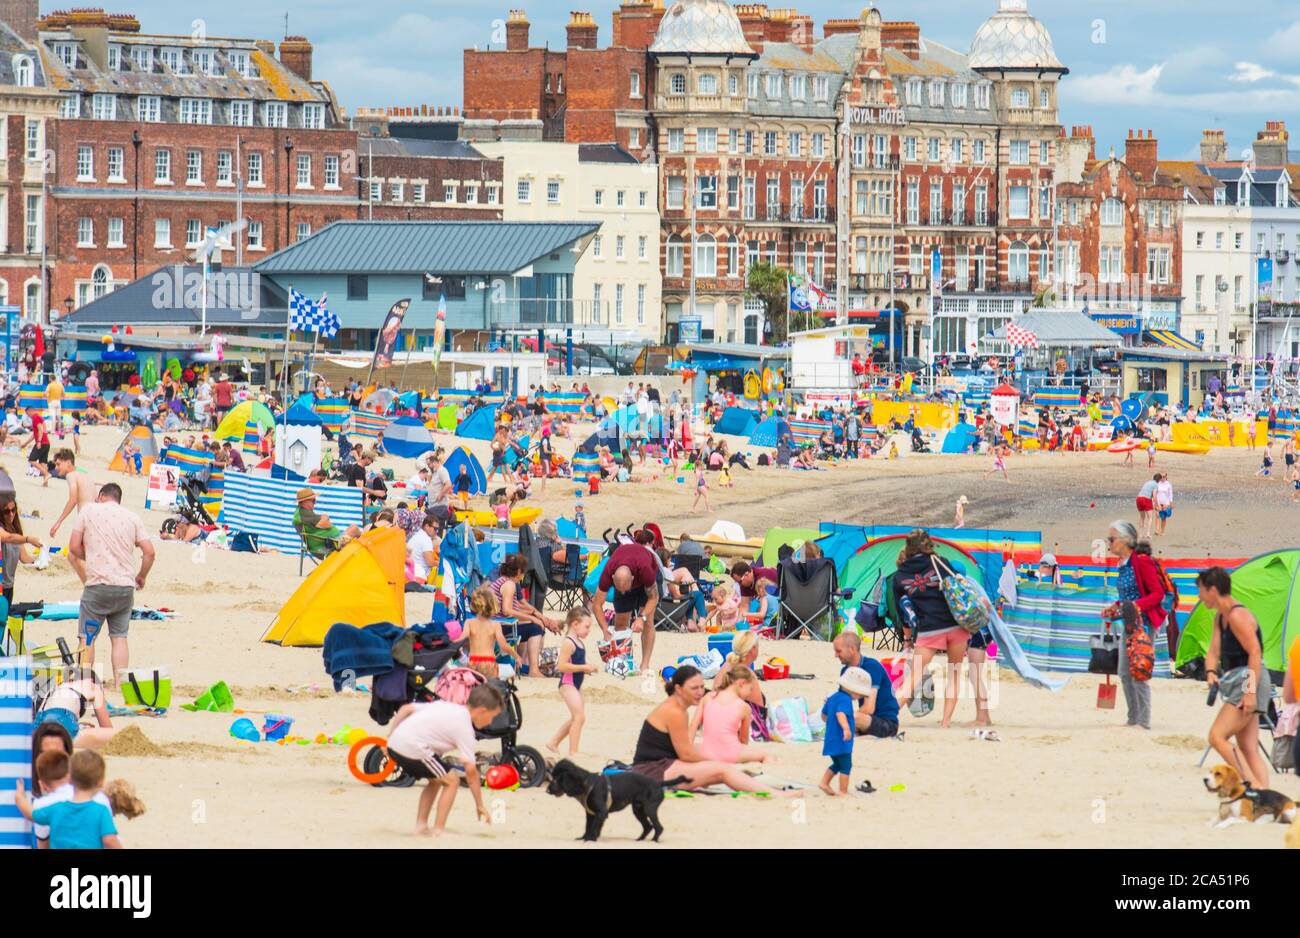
{"x": 378, "y": 401}
{"x": 1131, "y": 408}
{"x": 1122, "y": 424}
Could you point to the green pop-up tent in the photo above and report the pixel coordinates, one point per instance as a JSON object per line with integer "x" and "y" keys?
{"x": 1266, "y": 586}
{"x": 776, "y": 538}
{"x": 879, "y": 558}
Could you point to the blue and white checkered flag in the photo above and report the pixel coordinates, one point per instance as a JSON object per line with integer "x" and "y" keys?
{"x": 310, "y": 316}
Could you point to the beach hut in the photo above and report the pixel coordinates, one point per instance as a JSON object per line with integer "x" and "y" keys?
{"x": 15, "y": 748}
{"x": 265, "y": 507}
{"x": 407, "y": 437}
{"x": 1266, "y": 585}
{"x": 479, "y": 425}
{"x": 144, "y": 441}
{"x": 461, "y": 456}
{"x": 770, "y": 432}
{"x": 233, "y": 424}
{"x": 360, "y": 584}
{"x": 737, "y": 421}
{"x": 298, "y": 440}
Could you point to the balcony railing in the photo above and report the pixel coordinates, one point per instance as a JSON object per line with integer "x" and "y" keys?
{"x": 782, "y": 213}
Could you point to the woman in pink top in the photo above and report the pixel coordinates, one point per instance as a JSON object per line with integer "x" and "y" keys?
{"x": 724, "y": 717}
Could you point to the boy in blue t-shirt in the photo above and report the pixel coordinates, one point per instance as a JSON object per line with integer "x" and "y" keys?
{"x": 855, "y": 684}
{"x": 82, "y": 823}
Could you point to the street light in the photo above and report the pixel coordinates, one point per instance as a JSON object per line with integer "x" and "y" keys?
{"x": 67, "y": 305}
{"x": 288, "y": 205}
{"x": 135, "y": 208}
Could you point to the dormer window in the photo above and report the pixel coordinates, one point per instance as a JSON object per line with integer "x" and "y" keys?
{"x": 982, "y": 96}
{"x": 205, "y": 61}
{"x": 66, "y": 52}
{"x": 960, "y": 94}
{"x": 114, "y": 57}
{"x": 798, "y": 85}
{"x": 774, "y": 84}
{"x": 1243, "y": 189}
{"x": 914, "y": 91}
{"x": 24, "y": 71}
{"x": 1283, "y": 193}
{"x": 936, "y": 93}
{"x": 142, "y": 57}
{"x": 239, "y": 62}
{"x": 174, "y": 59}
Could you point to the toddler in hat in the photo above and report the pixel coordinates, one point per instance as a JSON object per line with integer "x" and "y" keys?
{"x": 855, "y": 684}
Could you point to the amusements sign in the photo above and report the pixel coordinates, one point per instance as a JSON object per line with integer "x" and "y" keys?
{"x": 162, "y": 487}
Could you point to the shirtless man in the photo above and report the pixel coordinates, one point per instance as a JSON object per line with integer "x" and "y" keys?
{"x": 80, "y": 493}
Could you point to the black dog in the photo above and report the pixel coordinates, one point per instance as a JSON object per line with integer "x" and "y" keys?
{"x": 602, "y": 795}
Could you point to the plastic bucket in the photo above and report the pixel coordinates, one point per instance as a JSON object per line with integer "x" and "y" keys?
{"x": 216, "y": 699}
{"x": 276, "y": 727}
{"x": 722, "y": 641}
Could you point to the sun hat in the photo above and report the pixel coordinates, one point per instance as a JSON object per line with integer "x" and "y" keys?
{"x": 305, "y": 494}
{"x": 1048, "y": 560}
{"x": 856, "y": 681}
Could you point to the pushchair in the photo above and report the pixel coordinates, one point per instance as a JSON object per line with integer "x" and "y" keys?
{"x": 420, "y": 684}
{"x": 189, "y": 504}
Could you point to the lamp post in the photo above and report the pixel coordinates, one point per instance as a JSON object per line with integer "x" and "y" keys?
{"x": 288, "y": 205}
{"x": 135, "y": 207}
{"x": 67, "y": 305}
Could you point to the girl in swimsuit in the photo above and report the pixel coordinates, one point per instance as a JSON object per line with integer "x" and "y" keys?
{"x": 725, "y": 717}
{"x": 485, "y": 635}
{"x": 573, "y": 668}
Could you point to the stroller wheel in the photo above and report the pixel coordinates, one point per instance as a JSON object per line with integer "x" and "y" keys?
{"x": 530, "y": 765}
{"x": 373, "y": 762}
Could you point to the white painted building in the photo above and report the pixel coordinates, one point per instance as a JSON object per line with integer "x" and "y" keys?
{"x": 617, "y": 284}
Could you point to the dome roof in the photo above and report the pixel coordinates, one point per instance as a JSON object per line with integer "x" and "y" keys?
{"x": 1011, "y": 38}
{"x": 700, "y": 27}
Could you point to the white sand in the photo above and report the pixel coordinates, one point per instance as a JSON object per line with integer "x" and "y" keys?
{"x": 1065, "y": 773}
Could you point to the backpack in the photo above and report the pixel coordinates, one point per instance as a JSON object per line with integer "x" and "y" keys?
{"x": 454, "y": 685}
{"x": 967, "y": 604}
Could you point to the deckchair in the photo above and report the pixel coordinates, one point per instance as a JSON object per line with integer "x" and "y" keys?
{"x": 564, "y": 586}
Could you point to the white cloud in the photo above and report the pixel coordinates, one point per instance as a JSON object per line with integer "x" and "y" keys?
{"x": 1121, "y": 83}
{"x": 1250, "y": 72}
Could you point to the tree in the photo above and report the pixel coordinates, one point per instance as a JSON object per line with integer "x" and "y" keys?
{"x": 770, "y": 284}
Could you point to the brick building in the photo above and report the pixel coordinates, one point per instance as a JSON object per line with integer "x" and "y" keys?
{"x": 583, "y": 94}
{"x": 429, "y": 175}
{"x": 790, "y": 157}
{"x": 1120, "y": 230}
{"x": 950, "y": 155}
{"x": 160, "y": 138}
{"x": 27, "y": 105}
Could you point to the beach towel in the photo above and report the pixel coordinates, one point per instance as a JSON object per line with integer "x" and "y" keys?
{"x": 353, "y": 652}
{"x": 1013, "y": 656}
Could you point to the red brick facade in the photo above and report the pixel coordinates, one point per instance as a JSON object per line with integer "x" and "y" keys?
{"x": 475, "y": 188}
{"x": 1126, "y": 209}
{"x": 180, "y": 201}
{"x": 584, "y": 94}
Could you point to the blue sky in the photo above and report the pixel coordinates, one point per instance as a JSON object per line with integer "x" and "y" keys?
{"x": 1174, "y": 66}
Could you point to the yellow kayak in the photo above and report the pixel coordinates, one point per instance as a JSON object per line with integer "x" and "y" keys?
{"x": 744, "y": 550}
{"x": 486, "y": 519}
{"x": 1194, "y": 449}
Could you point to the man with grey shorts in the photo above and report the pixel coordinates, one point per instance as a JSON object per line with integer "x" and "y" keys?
{"x": 104, "y": 539}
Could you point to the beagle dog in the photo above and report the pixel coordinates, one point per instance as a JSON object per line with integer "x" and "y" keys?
{"x": 1239, "y": 802}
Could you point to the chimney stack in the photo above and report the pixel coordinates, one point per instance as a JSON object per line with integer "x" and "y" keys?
{"x": 1271, "y": 144}
{"x": 903, "y": 37}
{"x": 753, "y": 22}
{"x": 21, "y": 15}
{"x": 295, "y": 55}
{"x": 839, "y": 28}
{"x": 1214, "y": 146}
{"x": 517, "y": 31}
{"x": 582, "y": 30}
{"x": 1140, "y": 154}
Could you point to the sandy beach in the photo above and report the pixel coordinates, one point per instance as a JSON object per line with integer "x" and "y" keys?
{"x": 1064, "y": 774}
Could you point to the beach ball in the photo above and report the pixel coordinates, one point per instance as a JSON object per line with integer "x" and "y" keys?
{"x": 618, "y": 667}
{"x": 504, "y": 777}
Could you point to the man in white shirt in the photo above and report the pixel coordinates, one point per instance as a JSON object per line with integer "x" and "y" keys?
{"x": 439, "y": 487}
{"x": 422, "y": 547}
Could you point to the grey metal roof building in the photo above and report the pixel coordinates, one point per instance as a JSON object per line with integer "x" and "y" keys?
{"x": 414, "y": 247}
{"x": 1063, "y": 328}
{"x": 171, "y": 297}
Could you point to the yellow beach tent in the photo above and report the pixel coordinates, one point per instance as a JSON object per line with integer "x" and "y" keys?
{"x": 361, "y": 584}
{"x": 233, "y": 424}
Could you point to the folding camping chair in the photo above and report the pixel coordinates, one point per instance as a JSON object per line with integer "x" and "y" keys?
{"x": 809, "y": 599}
{"x": 324, "y": 547}
{"x": 564, "y": 587}
{"x": 692, "y": 562}
{"x": 1266, "y": 720}
{"x": 671, "y": 615}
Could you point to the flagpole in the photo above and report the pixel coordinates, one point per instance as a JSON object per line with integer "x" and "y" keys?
{"x": 288, "y": 319}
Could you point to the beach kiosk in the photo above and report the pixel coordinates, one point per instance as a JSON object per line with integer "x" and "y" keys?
{"x": 1004, "y": 404}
